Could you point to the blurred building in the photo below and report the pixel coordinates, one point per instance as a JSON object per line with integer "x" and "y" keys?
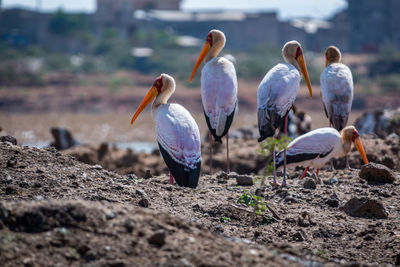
{"x": 365, "y": 26}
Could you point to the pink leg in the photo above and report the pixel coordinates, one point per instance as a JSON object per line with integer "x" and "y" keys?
{"x": 304, "y": 173}
{"x": 227, "y": 154}
{"x": 210, "y": 139}
{"x": 171, "y": 178}
{"x": 317, "y": 172}
{"x": 284, "y": 154}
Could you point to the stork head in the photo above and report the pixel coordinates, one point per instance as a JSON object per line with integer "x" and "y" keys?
{"x": 164, "y": 85}
{"x": 293, "y": 53}
{"x": 215, "y": 41}
{"x": 350, "y": 135}
{"x": 332, "y": 55}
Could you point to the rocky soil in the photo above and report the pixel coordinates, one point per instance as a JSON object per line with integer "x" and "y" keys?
{"x": 58, "y": 211}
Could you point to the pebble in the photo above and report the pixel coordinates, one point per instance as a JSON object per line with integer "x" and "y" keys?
{"x": 309, "y": 183}
{"x": 158, "y": 238}
{"x": 8, "y": 139}
{"x": 147, "y": 175}
{"x": 144, "y": 202}
{"x": 242, "y": 179}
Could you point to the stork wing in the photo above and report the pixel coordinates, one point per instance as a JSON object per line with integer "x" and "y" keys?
{"x": 337, "y": 93}
{"x": 178, "y": 134}
{"x": 218, "y": 92}
{"x": 279, "y": 88}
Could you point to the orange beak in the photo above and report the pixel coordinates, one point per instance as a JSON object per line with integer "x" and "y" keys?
{"x": 203, "y": 54}
{"x": 302, "y": 63}
{"x": 360, "y": 148}
{"x": 151, "y": 94}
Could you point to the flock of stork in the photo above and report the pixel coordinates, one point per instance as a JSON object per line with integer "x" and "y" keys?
{"x": 179, "y": 137}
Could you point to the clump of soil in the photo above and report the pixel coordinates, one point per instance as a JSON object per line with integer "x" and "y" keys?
{"x": 84, "y": 214}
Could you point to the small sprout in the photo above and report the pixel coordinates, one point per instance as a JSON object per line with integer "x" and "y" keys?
{"x": 224, "y": 219}
{"x": 321, "y": 253}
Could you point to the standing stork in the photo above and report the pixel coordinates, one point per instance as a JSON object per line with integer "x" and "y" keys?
{"x": 178, "y": 135}
{"x": 317, "y": 147}
{"x": 277, "y": 93}
{"x": 218, "y": 90}
{"x": 336, "y": 91}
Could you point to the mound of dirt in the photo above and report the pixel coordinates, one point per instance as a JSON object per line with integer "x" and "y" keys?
{"x": 68, "y": 233}
{"x": 46, "y": 218}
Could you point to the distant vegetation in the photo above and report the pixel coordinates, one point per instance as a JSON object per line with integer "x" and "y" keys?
{"x": 106, "y": 52}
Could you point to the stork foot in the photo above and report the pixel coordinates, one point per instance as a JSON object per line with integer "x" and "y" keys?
{"x": 171, "y": 179}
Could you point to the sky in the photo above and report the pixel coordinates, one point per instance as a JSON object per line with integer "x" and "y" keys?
{"x": 286, "y": 8}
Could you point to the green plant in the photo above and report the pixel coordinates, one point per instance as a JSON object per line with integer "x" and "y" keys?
{"x": 224, "y": 219}
{"x": 269, "y": 146}
{"x": 253, "y": 201}
{"x": 321, "y": 253}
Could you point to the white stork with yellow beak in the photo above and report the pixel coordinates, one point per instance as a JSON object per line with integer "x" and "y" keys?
{"x": 218, "y": 90}
{"x": 277, "y": 93}
{"x": 177, "y": 133}
{"x": 317, "y": 147}
{"x": 336, "y": 90}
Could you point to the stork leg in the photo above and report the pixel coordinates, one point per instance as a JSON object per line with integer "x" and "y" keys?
{"x": 348, "y": 163}
{"x": 171, "y": 178}
{"x": 210, "y": 139}
{"x": 304, "y": 173}
{"x": 284, "y": 153}
{"x": 274, "y": 183}
{"x": 332, "y": 168}
{"x": 318, "y": 179}
{"x": 227, "y": 154}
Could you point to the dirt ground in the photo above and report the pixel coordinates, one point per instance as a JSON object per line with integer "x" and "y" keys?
{"x": 57, "y": 211}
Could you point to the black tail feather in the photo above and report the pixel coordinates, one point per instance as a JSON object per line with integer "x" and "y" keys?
{"x": 182, "y": 177}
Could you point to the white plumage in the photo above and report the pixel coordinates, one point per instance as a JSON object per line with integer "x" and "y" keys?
{"x": 178, "y": 134}
{"x": 279, "y": 88}
{"x": 218, "y": 92}
{"x": 337, "y": 93}
{"x": 314, "y": 149}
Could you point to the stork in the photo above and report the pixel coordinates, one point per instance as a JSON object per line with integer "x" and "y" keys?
{"x": 336, "y": 91}
{"x": 218, "y": 90}
{"x": 178, "y": 135}
{"x": 277, "y": 93}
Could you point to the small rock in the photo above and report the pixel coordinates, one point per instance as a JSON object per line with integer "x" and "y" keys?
{"x": 11, "y": 162}
{"x": 10, "y": 190}
{"x": 8, "y": 139}
{"x": 333, "y": 202}
{"x": 332, "y": 180}
{"x": 158, "y": 238}
{"x": 147, "y": 175}
{"x": 369, "y": 238}
{"x": 364, "y": 207}
{"x": 96, "y": 167}
{"x": 373, "y": 172}
{"x": 144, "y": 202}
{"x": 397, "y": 261}
{"x": 298, "y": 236}
{"x": 259, "y": 192}
{"x": 141, "y": 192}
{"x": 110, "y": 215}
{"x": 129, "y": 225}
{"x": 243, "y": 179}
{"x": 309, "y": 184}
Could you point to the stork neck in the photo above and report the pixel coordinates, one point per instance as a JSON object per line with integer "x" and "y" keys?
{"x": 346, "y": 145}
{"x": 294, "y": 62}
{"x": 162, "y": 98}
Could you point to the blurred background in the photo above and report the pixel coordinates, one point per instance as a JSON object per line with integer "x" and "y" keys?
{"x": 85, "y": 65}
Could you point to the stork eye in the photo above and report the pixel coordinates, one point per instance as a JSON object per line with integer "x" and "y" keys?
{"x": 209, "y": 38}
{"x": 299, "y": 51}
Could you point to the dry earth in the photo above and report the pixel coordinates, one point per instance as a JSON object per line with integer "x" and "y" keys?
{"x": 57, "y": 211}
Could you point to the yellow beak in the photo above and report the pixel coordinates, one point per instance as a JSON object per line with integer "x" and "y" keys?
{"x": 302, "y": 63}
{"x": 360, "y": 148}
{"x": 151, "y": 94}
{"x": 203, "y": 54}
